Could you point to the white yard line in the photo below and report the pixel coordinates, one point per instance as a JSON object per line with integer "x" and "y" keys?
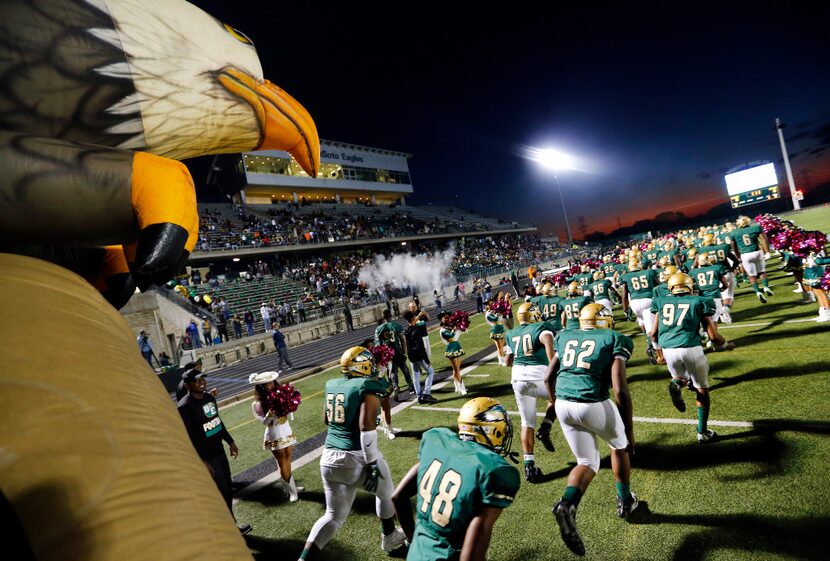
{"x": 734, "y": 325}
{"x": 638, "y": 419}
{"x": 317, "y": 452}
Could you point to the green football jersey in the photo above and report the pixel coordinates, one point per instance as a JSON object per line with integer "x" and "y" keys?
{"x": 527, "y": 348}
{"x": 389, "y": 333}
{"x": 344, "y": 396}
{"x": 660, "y": 290}
{"x": 651, "y": 254}
{"x": 571, "y": 307}
{"x": 456, "y": 478}
{"x": 536, "y": 299}
{"x": 585, "y": 359}
{"x": 608, "y": 269}
{"x": 688, "y": 265}
{"x": 679, "y": 319}
{"x": 583, "y": 279}
{"x": 641, "y": 284}
{"x": 600, "y": 289}
{"x": 707, "y": 279}
{"x": 551, "y": 309}
{"x": 747, "y": 238}
{"x": 721, "y": 250}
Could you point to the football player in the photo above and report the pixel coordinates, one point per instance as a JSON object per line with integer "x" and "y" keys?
{"x": 571, "y": 305}
{"x": 391, "y": 333}
{"x": 750, "y": 244}
{"x": 550, "y": 306}
{"x": 678, "y": 319}
{"x": 724, "y": 257}
{"x": 601, "y": 290}
{"x": 709, "y": 277}
{"x": 638, "y": 285}
{"x": 462, "y": 483}
{"x": 583, "y": 278}
{"x": 588, "y": 363}
{"x": 351, "y": 458}
{"x": 529, "y": 350}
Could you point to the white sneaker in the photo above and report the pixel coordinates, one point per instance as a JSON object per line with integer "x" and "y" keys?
{"x": 798, "y": 289}
{"x": 823, "y": 315}
{"x": 725, "y": 316}
{"x": 393, "y": 541}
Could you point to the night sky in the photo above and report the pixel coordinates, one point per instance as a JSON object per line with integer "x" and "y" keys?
{"x": 656, "y": 102}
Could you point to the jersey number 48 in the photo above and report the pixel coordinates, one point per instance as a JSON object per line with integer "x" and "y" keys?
{"x": 441, "y": 498}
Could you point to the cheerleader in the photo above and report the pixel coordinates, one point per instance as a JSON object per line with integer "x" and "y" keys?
{"x": 507, "y": 320}
{"x": 493, "y": 319}
{"x": 278, "y": 438}
{"x": 814, "y": 272}
{"x": 453, "y": 352}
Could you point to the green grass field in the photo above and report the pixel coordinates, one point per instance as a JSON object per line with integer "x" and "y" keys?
{"x": 758, "y": 493}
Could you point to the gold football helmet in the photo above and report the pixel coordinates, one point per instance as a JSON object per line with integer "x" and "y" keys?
{"x": 692, "y": 253}
{"x": 606, "y": 258}
{"x": 742, "y": 221}
{"x": 485, "y": 420}
{"x": 667, "y": 272}
{"x": 663, "y": 262}
{"x": 595, "y": 316}
{"x": 681, "y": 283}
{"x": 573, "y": 289}
{"x": 546, "y": 288}
{"x": 598, "y": 275}
{"x": 358, "y": 362}
{"x": 634, "y": 265}
{"x": 528, "y": 313}
{"x": 707, "y": 258}
{"x": 584, "y": 268}
{"x": 708, "y": 239}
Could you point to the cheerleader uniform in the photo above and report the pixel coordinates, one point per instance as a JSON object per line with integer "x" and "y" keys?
{"x": 496, "y": 328}
{"x": 278, "y": 435}
{"x": 451, "y": 336}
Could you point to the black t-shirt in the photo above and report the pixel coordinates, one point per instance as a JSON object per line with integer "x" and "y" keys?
{"x": 204, "y": 427}
{"x": 414, "y": 335}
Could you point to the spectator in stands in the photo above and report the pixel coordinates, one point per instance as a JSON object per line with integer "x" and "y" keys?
{"x": 347, "y": 314}
{"x": 164, "y": 359}
{"x": 193, "y": 332}
{"x": 437, "y": 301}
{"x": 237, "y": 327}
{"x": 479, "y": 302}
{"x": 289, "y": 313}
{"x": 249, "y": 322}
{"x": 207, "y": 332}
{"x": 280, "y": 346}
{"x": 224, "y": 309}
{"x": 265, "y": 313}
{"x": 301, "y": 309}
{"x": 396, "y": 310}
{"x": 457, "y": 293}
{"x": 283, "y": 316}
{"x": 145, "y": 347}
{"x": 222, "y": 329}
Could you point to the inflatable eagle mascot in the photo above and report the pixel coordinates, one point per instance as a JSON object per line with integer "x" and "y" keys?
{"x": 99, "y": 99}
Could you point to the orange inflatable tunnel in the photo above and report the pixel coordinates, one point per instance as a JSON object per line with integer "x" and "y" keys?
{"x": 95, "y": 463}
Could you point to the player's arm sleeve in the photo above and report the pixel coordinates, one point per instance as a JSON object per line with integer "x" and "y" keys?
{"x": 654, "y": 306}
{"x": 623, "y": 346}
{"x": 708, "y": 307}
{"x": 500, "y": 486}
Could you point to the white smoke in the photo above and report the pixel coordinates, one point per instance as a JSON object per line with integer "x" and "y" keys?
{"x": 425, "y": 272}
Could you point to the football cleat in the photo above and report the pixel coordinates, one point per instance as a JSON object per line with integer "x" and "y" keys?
{"x": 768, "y": 291}
{"x": 532, "y": 473}
{"x": 393, "y": 541}
{"x": 652, "y": 356}
{"x": 543, "y": 436}
{"x": 706, "y": 436}
{"x": 565, "y": 514}
{"x": 725, "y": 316}
{"x": 761, "y": 297}
{"x": 626, "y": 507}
{"x": 677, "y": 397}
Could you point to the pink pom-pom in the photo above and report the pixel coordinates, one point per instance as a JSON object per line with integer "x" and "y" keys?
{"x": 460, "y": 320}
{"x": 383, "y": 354}
{"x": 283, "y": 399}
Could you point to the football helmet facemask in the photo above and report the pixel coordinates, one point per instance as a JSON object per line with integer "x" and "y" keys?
{"x": 742, "y": 221}
{"x": 485, "y": 421}
{"x": 573, "y": 289}
{"x": 358, "y": 362}
{"x": 667, "y": 272}
{"x": 595, "y": 316}
{"x": 528, "y": 313}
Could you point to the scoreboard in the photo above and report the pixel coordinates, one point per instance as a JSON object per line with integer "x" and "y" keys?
{"x": 752, "y": 183}
{"x": 755, "y": 196}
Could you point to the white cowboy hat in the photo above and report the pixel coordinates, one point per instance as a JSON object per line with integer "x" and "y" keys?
{"x": 263, "y": 377}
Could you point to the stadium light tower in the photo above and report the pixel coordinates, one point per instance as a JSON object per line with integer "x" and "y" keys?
{"x": 556, "y": 161}
{"x": 780, "y": 126}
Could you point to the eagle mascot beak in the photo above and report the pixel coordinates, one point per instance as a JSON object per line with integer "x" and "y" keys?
{"x": 285, "y": 124}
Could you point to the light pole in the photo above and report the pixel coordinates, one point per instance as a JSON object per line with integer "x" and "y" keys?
{"x": 556, "y": 161}
{"x": 780, "y": 126}
{"x": 564, "y": 212}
